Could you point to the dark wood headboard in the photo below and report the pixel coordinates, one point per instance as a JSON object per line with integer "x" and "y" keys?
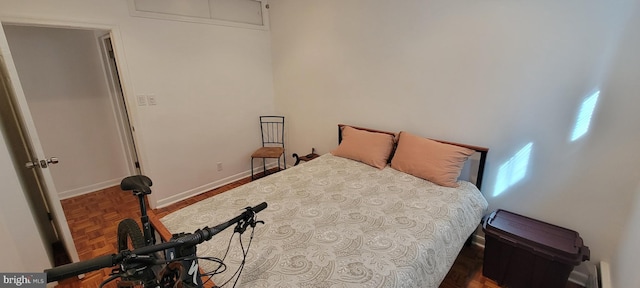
{"x": 482, "y": 150}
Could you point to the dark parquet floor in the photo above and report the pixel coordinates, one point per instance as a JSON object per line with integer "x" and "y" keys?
{"x": 93, "y": 220}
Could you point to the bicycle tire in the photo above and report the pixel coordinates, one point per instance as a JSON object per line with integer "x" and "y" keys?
{"x": 128, "y": 230}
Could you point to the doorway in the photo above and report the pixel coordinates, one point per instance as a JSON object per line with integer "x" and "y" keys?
{"x": 74, "y": 103}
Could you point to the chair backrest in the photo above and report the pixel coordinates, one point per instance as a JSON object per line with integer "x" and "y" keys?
{"x": 272, "y": 129}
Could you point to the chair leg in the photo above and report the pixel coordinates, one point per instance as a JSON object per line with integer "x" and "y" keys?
{"x": 279, "y": 164}
{"x": 264, "y": 167}
{"x": 252, "y": 177}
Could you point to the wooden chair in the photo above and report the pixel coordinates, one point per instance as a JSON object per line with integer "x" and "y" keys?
{"x": 272, "y": 130}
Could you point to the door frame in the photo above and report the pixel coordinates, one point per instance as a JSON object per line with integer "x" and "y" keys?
{"x": 123, "y": 75}
{"x": 125, "y": 126}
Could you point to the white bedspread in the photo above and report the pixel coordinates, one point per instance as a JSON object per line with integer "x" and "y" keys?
{"x": 334, "y": 222}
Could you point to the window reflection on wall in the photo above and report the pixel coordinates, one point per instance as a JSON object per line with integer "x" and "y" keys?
{"x": 584, "y": 116}
{"x": 514, "y": 170}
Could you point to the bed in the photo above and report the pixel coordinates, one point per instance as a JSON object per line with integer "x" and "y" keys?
{"x": 336, "y": 222}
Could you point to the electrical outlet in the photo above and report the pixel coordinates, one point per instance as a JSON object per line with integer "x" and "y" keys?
{"x": 151, "y": 99}
{"x": 219, "y": 166}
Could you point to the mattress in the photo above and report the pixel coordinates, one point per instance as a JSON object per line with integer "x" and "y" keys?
{"x": 335, "y": 222}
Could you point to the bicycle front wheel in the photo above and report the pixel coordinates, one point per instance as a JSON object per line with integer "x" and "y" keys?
{"x": 129, "y": 235}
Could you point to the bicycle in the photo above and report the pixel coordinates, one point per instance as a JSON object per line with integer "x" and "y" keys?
{"x": 144, "y": 266}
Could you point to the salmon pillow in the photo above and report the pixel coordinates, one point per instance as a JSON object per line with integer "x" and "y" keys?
{"x": 431, "y": 160}
{"x": 371, "y": 148}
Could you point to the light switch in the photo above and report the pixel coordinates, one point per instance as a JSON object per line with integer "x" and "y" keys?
{"x": 142, "y": 100}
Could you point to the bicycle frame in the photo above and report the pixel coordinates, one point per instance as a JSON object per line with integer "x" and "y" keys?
{"x": 192, "y": 277}
{"x": 147, "y": 229}
{"x": 181, "y": 266}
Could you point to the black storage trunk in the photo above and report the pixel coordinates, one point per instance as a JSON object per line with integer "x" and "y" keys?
{"x": 524, "y": 252}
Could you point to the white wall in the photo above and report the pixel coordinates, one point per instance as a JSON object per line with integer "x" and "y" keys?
{"x": 625, "y": 263}
{"x": 210, "y": 93}
{"x": 65, "y": 85}
{"x": 211, "y": 84}
{"x": 499, "y": 74}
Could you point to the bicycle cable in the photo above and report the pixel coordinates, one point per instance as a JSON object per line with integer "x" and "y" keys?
{"x": 221, "y": 264}
{"x": 245, "y": 252}
{"x": 111, "y": 278}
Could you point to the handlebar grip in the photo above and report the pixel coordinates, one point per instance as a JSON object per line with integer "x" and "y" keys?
{"x": 259, "y": 207}
{"x": 73, "y": 269}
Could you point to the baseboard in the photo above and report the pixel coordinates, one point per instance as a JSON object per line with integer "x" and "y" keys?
{"x": 477, "y": 240}
{"x": 90, "y": 188}
{"x": 578, "y": 278}
{"x": 208, "y": 187}
{"x": 605, "y": 274}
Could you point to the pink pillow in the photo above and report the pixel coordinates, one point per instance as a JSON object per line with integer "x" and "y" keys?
{"x": 367, "y": 147}
{"x": 430, "y": 160}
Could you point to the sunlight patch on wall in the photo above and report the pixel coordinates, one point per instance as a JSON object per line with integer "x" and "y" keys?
{"x": 584, "y": 116}
{"x": 513, "y": 170}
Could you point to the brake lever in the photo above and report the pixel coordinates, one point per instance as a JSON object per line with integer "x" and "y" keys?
{"x": 242, "y": 225}
{"x": 133, "y": 263}
{"x": 254, "y": 223}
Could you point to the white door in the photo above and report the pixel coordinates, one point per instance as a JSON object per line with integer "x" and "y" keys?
{"x": 40, "y": 161}
{"x": 21, "y": 154}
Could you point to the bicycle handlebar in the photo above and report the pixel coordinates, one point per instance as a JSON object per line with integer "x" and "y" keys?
{"x": 206, "y": 233}
{"x": 199, "y": 236}
{"x": 73, "y": 269}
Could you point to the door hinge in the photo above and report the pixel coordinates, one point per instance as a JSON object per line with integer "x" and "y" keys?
{"x": 137, "y": 164}
{"x": 112, "y": 55}
{"x": 50, "y": 216}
